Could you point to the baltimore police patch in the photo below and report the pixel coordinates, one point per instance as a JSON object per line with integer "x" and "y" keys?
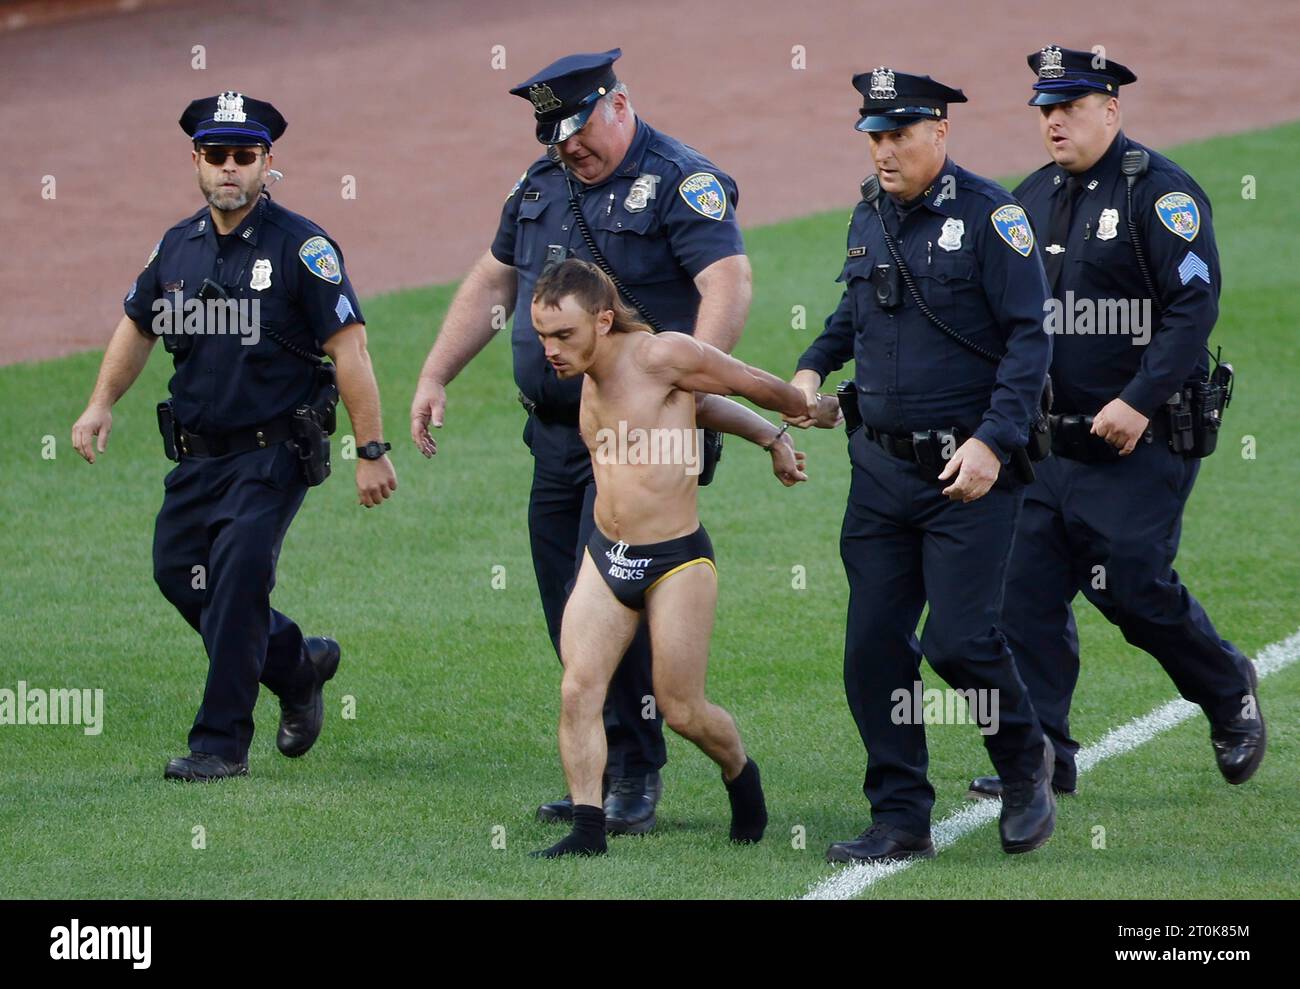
{"x": 703, "y": 193}
{"x": 153, "y": 254}
{"x": 1013, "y": 226}
{"x": 1178, "y": 212}
{"x": 319, "y": 257}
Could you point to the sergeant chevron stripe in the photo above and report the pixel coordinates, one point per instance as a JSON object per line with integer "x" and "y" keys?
{"x": 1193, "y": 267}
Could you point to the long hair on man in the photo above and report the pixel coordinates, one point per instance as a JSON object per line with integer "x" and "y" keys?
{"x": 591, "y": 288}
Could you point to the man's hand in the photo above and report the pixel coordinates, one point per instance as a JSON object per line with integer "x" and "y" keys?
{"x": 787, "y": 462}
{"x": 829, "y": 415}
{"x": 427, "y": 407}
{"x": 376, "y": 480}
{"x": 976, "y": 468}
{"x": 96, "y": 421}
{"x": 807, "y": 381}
{"x": 1120, "y": 425}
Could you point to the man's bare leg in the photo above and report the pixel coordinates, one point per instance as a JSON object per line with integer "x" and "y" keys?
{"x": 596, "y": 630}
{"x": 680, "y": 612}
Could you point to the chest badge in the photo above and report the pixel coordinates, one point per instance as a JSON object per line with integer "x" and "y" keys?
{"x": 642, "y": 191}
{"x": 261, "y": 275}
{"x": 1107, "y": 224}
{"x": 950, "y": 236}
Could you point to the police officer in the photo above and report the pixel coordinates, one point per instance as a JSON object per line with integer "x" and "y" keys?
{"x": 245, "y": 295}
{"x": 933, "y": 501}
{"x": 1105, "y": 513}
{"x": 663, "y": 218}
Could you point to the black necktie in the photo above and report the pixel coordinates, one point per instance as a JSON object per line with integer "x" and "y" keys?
{"x": 1059, "y": 232}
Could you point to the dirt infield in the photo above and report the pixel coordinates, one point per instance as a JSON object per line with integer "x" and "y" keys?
{"x": 404, "y": 96}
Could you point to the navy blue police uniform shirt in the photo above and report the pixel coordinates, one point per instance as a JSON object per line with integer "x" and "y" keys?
{"x": 663, "y": 216}
{"x": 276, "y": 257}
{"x": 1172, "y": 214}
{"x": 971, "y": 250}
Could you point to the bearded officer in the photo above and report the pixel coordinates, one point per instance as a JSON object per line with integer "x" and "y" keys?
{"x": 664, "y": 219}
{"x": 933, "y": 501}
{"x": 246, "y": 296}
{"x": 1105, "y": 513}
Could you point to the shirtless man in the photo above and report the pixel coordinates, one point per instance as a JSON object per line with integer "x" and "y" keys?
{"x": 648, "y": 550}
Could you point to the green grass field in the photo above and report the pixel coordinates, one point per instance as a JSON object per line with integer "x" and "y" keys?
{"x": 455, "y": 683}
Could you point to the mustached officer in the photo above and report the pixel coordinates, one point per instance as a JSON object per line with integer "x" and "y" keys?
{"x": 1130, "y": 232}
{"x": 247, "y": 297}
{"x": 939, "y": 426}
{"x": 663, "y": 219}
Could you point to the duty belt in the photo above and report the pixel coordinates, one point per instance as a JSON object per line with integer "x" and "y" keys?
{"x": 925, "y": 447}
{"x": 556, "y": 415}
{"x": 238, "y": 441}
{"x": 1073, "y": 439}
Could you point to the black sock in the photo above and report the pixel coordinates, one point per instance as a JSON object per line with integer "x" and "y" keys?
{"x": 586, "y": 838}
{"x": 748, "y": 809}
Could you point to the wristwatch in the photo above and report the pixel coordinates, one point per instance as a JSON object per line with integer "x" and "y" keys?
{"x": 373, "y": 450}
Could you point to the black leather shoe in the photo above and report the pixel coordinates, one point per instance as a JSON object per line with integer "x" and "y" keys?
{"x": 562, "y": 809}
{"x": 990, "y": 788}
{"x": 880, "y": 843}
{"x": 1239, "y": 745}
{"x": 202, "y": 767}
{"x": 630, "y": 806}
{"x": 1029, "y": 808}
{"x": 300, "y": 721}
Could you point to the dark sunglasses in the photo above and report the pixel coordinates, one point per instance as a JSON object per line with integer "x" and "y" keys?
{"x": 243, "y": 156}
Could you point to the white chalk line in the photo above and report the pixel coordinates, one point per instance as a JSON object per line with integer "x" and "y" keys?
{"x": 851, "y": 881}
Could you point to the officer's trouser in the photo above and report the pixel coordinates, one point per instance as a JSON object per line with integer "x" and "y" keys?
{"x": 904, "y": 544}
{"x": 1111, "y": 531}
{"x": 559, "y": 525}
{"x": 216, "y": 543}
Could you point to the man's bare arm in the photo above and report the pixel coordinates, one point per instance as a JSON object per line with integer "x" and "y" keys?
{"x": 466, "y": 330}
{"x": 692, "y": 365}
{"x": 726, "y": 288}
{"x": 376, "y": 479}
{"x": 726, "y": 416}
{"x": 128, "y": 352}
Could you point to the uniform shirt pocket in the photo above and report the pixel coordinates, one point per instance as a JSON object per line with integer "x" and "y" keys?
{"x": 856, "y": 276}
{"x": 949, "y": 282}
{"x": 531, "y": 230}
{"x": 634, "y": 246}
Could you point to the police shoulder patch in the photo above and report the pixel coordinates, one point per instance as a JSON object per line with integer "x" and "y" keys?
{"x": 154, "y": 253}
{"x": 1013, "y": 227}
{"x": 515, "y": 187}
{"x": 1179, "y": 213}
{"x": 703, "y": 193}
{"x": 319, "y": 256}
